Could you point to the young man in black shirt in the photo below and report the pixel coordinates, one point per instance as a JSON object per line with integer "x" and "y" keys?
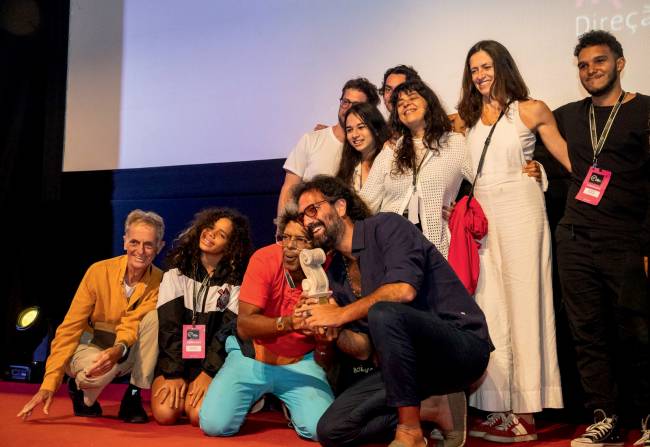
{"x": 602, "y": 240}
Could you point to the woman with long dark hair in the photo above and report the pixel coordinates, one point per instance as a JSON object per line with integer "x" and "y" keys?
{"x": 515, "y": 284}
{"x": 424, "y": 171}
{"x": 197, "y": 305}
{"x": 365, "y": 135}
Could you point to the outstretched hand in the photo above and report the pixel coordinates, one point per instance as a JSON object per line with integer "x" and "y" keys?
{"x": 44, "y": 397}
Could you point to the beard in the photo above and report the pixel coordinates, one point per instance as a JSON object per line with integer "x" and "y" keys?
{"x": 342, "y": 120}
{"x": 605, "y": 88}
{"x": 331, "y": 235}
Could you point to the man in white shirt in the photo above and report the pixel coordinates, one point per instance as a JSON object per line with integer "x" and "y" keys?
{"x": 319, "y": 151}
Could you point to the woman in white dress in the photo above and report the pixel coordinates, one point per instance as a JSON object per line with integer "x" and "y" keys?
{"x": 515, "y": 284}
{"x": 424, "y": 171}
{"x": 365, "y": 135}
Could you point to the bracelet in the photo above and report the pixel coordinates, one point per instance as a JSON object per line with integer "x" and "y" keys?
{"x": 125, "y": 348}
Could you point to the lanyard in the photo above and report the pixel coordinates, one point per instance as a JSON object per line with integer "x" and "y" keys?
{"x": 597, "y": 144}
{"x": 416, "y": 171}
{"x": 289, "y": 279}
{"x": 203, "y": 290}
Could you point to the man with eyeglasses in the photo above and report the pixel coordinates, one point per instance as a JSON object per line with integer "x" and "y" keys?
{"x": 429, "y": 335}
{"x": 319, "y": 151}
{"x": 273, "y": 353}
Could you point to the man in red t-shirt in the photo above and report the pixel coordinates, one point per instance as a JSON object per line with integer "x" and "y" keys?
{"x": 283, "y": 360}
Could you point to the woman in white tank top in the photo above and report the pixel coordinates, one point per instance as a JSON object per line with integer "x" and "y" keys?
{"x": 515, "y": 282}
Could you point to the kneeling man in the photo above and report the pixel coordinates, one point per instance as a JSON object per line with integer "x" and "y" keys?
{"x": 281, "y": 360}
{"x": 111, "y": 327}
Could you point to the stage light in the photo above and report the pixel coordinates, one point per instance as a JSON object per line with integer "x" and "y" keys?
{"x": 27, "y": 318}
{"x": 30, "y": 346}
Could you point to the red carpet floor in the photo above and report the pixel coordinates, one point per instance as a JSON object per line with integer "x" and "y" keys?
{"x": 62, "y": 428}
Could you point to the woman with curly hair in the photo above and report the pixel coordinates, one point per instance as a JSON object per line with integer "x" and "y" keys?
{"x": 424, "y": 171}
{"x": 365, "y": 135}
{"x": 197, "y": 306}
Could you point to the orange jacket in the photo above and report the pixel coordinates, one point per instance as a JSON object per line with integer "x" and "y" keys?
{"x": 100, "y": 298}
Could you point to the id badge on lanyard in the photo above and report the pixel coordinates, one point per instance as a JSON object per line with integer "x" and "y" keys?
{"x": 595, "y": 183}
{"x": 194, "y": 341}
{"x": 193, "y": 335}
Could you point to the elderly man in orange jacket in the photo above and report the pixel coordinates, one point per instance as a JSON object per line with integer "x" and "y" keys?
{"x": 111, "y": 327}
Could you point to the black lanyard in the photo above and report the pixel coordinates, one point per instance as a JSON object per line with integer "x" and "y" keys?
{"x": 287, "y": 276}
{"x": 416, "y": 171}
{"x": 196, "y": 297}
{"x": 597, "y": 143}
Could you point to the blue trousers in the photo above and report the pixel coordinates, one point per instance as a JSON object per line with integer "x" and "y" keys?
{"x": 241, "y": 381}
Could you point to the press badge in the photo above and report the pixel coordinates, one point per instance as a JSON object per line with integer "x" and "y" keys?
{"x": 194, "y": 341}
{"x": 594, "y": 185}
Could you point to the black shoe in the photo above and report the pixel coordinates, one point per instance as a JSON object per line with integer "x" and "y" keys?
{"x": 78, "y": 405}
{"x": 603, "y": 432}
{"x": 131, "y": 409}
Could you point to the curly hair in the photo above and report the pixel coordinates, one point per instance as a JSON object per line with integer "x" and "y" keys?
{"x": 350, "y": 157}
{"x": 598, "y": 37}
{"x": 185, "y": 253}
{"x": 508, "y": 85}
{"x": 333, "y": 188}
{"x": 436, "y": 126}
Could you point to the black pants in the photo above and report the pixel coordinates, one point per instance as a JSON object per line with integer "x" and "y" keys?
{"x": 605, "y": 294}
{"x": 420, "y": 355}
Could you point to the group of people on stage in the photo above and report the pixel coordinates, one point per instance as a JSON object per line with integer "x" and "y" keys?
{"x": 401, "y": 340}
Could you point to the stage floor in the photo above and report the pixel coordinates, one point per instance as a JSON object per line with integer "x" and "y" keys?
{"x": 267, "y": 428}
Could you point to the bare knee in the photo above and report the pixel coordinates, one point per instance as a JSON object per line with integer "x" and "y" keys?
{"x": 164, "y": 415}
{"x": 193, "y": 415}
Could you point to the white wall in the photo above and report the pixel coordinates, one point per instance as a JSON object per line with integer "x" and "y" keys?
{"x": 168, "y": 82}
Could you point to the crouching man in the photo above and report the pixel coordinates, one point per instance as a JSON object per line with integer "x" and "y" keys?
{"x": 429, "y": 335}
{"x": 111, "y": 327}
{"x": 280, "y": 359}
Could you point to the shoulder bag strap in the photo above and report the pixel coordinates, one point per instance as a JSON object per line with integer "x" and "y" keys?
{"x": 485, "y": 146}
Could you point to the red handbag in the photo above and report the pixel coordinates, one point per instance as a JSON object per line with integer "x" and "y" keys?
{"x": 468, "y": 225}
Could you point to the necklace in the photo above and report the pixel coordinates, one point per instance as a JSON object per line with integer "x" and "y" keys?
{"x": 356, "y": 292}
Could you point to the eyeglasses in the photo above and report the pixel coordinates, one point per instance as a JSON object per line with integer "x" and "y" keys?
{"x": 345, "y": 102}
{"x": 311, "y": 210}
{"x": 286, "y": 239}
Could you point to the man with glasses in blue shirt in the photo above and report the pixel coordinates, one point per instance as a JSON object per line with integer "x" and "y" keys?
{"x": 429, "y": 335}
